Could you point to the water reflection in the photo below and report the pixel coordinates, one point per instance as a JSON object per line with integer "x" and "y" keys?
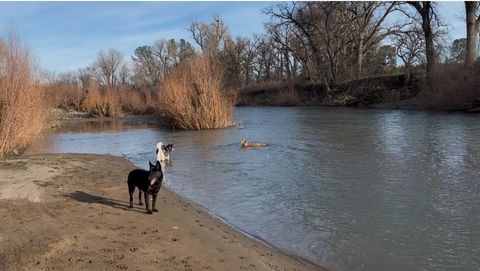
{"x": 106, "y": 125}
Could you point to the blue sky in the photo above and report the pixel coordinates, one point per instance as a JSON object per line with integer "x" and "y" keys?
{"x": 66, "y": 36}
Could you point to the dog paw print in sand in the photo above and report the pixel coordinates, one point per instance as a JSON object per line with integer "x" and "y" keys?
{"x": 121, "y": 266}
{"x": 198, "y": 223}
{"x": 116, "y": 227}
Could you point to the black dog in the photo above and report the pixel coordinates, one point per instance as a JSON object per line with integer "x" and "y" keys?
{"x": 149, "y": 182}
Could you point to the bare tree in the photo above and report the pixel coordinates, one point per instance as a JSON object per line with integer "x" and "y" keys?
{"x": 428, "y": 14}
{"x": 286, "y": 41}
{"x": 160, "y": 51}
{"x": 85, "y": 77}
{"x": 473, "y": 24}
{"x": 323, "y": 28}
{"x": 263, "y": 62}
{"x": 232, "y": 58}
{"x": 410, "y": 48}
{"x": 368, "y": 26}
{"x": 249, "y": 55}
{"x": 210, "y": 36}
{"x": 124, "y": 75}
{"x": 106, "y": 67}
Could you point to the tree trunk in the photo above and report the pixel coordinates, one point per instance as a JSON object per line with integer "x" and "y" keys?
{"x": 429, "y": 45}
{"x": 294, "y": 67}
{"x": 472, "y": 33}
{"x": 287, "y": 65}
{"x": 359, "y": 58}
{"x": 424, "y": 9}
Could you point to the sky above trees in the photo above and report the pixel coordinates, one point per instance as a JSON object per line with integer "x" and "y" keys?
{"x": 65, "y": 36}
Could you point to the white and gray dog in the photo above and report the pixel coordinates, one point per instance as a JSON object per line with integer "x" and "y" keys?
{"x": 164, "y": 152}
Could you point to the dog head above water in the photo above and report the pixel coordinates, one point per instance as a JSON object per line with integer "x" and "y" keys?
{"x": 167, "y": 150}
{"x": 156, "y": 174}
{"x": 164, "y": 152}
{"x": 244, "y": 142}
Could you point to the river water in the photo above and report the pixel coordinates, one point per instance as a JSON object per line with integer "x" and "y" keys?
{"x": 348, "y": 189}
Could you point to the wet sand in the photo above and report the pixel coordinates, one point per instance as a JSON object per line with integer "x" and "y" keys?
{"x": 70, "y": 212}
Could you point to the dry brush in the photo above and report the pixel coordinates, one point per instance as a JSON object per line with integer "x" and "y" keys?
{"x": 23, "y": 107}
{"x": 193, "y": 95}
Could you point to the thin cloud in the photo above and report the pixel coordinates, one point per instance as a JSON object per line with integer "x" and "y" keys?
{"x": 68, "y": 35}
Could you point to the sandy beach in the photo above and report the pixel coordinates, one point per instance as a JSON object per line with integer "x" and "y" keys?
{"x": 70, "y": 212}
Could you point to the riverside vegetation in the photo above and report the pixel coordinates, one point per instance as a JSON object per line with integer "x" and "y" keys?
{"x": 311, "y": 53}
{"x": 23, "y": 105}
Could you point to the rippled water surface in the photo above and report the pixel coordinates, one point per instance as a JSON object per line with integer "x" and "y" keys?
{"x": 348, "y": 189}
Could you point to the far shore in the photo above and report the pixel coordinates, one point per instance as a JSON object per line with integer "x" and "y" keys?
{"x": 58, "y": 116}
{"x": 70, "y": 212}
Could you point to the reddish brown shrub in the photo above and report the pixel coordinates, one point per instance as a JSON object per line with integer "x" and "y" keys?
{"x": 193, "y": 96}
{"x": 23, "y": 106}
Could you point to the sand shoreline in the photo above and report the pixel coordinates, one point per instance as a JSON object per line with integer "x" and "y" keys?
{"x": 246, "y": 234}
{"x": 79, "y": 220}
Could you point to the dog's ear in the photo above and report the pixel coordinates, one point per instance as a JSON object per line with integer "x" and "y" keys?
{"x": 151, "y": 165}
{"x": 158, "y": 166}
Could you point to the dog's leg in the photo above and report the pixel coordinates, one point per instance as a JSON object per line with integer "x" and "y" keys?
{"x": 154, "y": 202}
{"x": 140, "y": 197}
{"x": 131, "y": 190}
{"x": 148, "y": 197}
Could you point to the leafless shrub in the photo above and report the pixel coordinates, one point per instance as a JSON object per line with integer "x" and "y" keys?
{"x": 193, "y": 96}
{"x": 288, "y": 97}
{"x": 102, "y": 102}
{"x": 453, "y": 88}
{"x": 137, "y": 101}
{"x": 132, "y": 101}
{"x": 22, "y": 101}
{"x": 65, "y": 96}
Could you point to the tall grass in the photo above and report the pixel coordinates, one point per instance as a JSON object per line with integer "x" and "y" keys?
{"x": 193, "y": 96}
{"x": 23, "y": 106}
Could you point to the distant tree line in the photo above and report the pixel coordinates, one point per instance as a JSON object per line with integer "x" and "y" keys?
{"x": 323, "y": 42}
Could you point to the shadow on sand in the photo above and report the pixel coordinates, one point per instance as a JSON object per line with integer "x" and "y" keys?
{"x": 81, "y": 196}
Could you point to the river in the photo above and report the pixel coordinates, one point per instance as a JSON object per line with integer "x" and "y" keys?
{"x": 348, "y": 189}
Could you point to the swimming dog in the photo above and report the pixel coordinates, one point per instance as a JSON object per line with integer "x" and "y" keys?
{"x": 149, "y": 182}
{"x": 163, "y": 152}
{"x": 246, "y": 144}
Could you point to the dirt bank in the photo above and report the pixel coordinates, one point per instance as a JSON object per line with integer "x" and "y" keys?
{"x": 69, "y": 212}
